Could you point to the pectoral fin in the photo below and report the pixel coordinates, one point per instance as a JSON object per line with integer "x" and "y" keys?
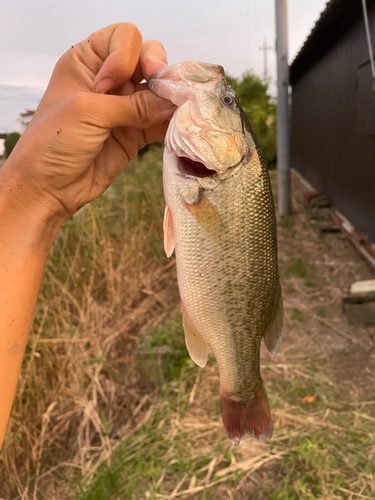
{"x": 273, "y": 335}
{"x": 205, "y": 215}
{"x": 169, "y": 240}
{"x": 197, "y": 347}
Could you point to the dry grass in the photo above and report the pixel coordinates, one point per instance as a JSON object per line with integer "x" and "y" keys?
{"x": 106, "y": 281}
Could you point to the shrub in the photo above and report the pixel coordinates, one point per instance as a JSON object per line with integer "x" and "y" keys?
{"x": 10, "y": 142}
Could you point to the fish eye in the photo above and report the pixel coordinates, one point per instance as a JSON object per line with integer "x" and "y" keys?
{"x": 228, "y": 100}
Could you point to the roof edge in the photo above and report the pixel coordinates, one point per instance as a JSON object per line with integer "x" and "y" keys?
{"x": 335, "y": 18}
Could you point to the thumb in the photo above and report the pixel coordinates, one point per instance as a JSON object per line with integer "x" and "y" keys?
{"x": 142, "y": 110}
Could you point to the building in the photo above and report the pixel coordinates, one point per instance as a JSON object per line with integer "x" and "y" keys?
{"x": 333, "y": 112}
{"x": 3, "y": 136}
{"x": 24, "y": 119}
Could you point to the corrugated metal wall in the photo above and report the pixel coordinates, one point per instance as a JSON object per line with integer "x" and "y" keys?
{"x": 333, "y": 125}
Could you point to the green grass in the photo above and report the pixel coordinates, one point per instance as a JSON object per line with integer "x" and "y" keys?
{"x": 289, "y": 289}
{"x": 299, "y": 268}
{"x": 172, "y": 338}
{"x": 321, "y": 312}
{"x": 286, "y": 221}
{"x": 297, "y": 315}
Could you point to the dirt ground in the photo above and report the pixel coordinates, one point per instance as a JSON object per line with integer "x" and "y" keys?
{"x": 330, "y": 265}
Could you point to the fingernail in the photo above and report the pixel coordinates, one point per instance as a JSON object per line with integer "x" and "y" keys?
{"x": 158, "y": 62}
{"x": 164, "y": 103}
{"x": 104, "y": 85}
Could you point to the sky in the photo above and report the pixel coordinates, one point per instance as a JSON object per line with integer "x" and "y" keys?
{"x": 33, "y": 34}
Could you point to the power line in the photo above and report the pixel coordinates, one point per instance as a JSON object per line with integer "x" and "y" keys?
{"x": 265, "y": 48}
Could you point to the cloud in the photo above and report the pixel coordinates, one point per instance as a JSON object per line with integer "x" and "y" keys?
{"x": 23, "y": 80}
{"x": 20, "y": 69}
{"x": 34, "y": 34}
{"x": 14, "y": 99}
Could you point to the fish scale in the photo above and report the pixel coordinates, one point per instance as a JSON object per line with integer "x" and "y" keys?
{"x": 222, "y": 224}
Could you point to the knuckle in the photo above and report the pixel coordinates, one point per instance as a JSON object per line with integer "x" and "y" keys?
{"x": 133, "y": 29}
{"x": 79, "y": 103}
{"x": 140, "y": 107}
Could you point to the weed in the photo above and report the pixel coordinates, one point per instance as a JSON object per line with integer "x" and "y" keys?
{"x": 297, "y": 268}
{"x": 297, "y": 315}
{"x": 321, "y": 312}
{"x": 172, "y": 337}
{"x": 286, "y": 221}
{"x": 309, "y": 283}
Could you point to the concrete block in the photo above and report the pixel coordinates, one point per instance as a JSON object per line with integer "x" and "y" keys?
{"x": 363, "y": 288}
{"x": 360, "y": 313}
{"x": 359, "y": 306}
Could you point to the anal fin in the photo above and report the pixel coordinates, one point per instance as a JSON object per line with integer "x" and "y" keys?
{"x": 197, "y": 347}
{"x": 274, "y": 334}
{"x": 169, "y": 239}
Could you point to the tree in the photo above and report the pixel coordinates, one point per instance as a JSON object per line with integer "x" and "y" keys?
{"x": 253, "y": 95}
{"x": 10, "y": 142}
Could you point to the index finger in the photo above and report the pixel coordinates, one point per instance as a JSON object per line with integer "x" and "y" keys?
{"x": 120, "y": 52}
{"x": 111, "y": 53}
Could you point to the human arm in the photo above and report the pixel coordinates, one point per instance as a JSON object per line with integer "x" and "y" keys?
{"x": 75, "y": 145}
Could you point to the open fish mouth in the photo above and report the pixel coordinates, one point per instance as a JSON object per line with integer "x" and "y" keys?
{"x": 189, "y": 163}
{"x": 191, "y": 168}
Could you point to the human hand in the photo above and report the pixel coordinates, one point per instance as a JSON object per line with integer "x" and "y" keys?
{"x": 80, "y": 138}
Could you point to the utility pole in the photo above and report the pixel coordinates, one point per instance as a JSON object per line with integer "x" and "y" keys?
{"x": 283, "y": 140}
{"x": 265, "y": 48}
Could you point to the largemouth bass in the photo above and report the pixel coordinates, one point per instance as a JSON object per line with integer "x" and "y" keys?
{"x": 220, "y": 220}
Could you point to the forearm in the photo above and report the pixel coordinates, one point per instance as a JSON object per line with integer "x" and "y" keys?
{"x": 26, "y": 237}
{"x": 77, "y": 142}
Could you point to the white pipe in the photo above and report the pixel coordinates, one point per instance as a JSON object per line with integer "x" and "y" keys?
{"x": 283, "y": 139}
{"x": 368, "y": 37}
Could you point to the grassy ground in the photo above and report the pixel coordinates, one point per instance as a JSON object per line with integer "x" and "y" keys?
{"x": 86, "y": 425}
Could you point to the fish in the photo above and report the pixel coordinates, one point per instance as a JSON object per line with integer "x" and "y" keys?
{"x": 220, "y": 222}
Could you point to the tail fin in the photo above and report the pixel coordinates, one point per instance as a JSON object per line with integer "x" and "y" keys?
{"x": 253, "y": 417}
